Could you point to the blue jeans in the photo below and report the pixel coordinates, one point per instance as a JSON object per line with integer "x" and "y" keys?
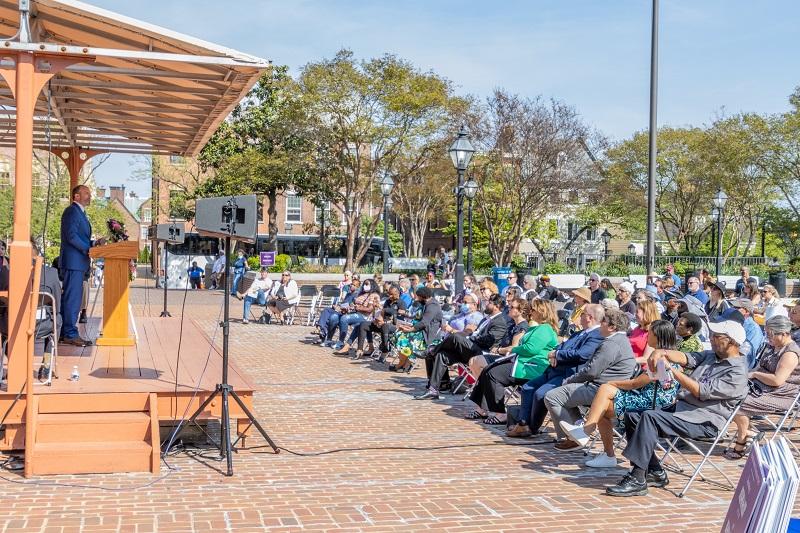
{"x": 350, "y": 319}
{"x": 532, "y": 409}
{"x": 237, "y": 278}
{"x": 260, "y": 298}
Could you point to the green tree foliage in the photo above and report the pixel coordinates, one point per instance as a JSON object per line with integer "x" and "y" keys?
{"x": 369, "y": 119}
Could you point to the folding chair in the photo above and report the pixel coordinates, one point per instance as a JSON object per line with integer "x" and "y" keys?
{"x": 465, "y": 377}
{"x": 790, "y": 415}
{"x": 308, "y": 295}
{"x": 47, "y": 302}
{"x": 706, "y": 456}
{"x": 327, "y": 297}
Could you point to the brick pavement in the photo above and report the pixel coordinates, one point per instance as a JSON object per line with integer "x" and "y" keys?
{"x": 405, "y": 465}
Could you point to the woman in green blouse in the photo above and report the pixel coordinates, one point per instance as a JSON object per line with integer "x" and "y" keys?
{"x": 527, "y": 361}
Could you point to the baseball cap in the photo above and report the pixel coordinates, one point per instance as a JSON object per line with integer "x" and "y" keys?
{"x": 731, "y": 328}
{"x": 744, "y": 303}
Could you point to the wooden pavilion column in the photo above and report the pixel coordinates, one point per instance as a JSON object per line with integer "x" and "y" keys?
{"x": 75, "y": 158}
{"x": 26, "y": 80}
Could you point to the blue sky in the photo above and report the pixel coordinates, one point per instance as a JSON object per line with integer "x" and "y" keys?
{"x": 717, "y": 56}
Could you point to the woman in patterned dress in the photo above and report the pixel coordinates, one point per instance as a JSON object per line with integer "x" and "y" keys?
{"x": 411, "y": 340}
{"x": 615, "y": 398}
{"x": 777, "y": 376}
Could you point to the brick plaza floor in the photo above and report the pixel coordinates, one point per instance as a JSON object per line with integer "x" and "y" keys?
{"x": 369, "y": 458}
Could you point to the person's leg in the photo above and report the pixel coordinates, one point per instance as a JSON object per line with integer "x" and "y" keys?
{"x": 600, "y": 406}
{"x": 562, "y": 406}
{"x": 498, "y": 378}
{"x": 362, "y": 328}
{"x": 477, "y": 365}
{"x": 478, "y": 395}
{"x": 71, "y": 302}
{"x": 538, "y": 408}
{"x": 333, "y": 323}
{"x": 356, "y": 322}
{"x": 606, "y": 428}
{"x": 248, "y": 302}
{"x": 526, "y": 393}
{"x": 438, "y": 371}
{"x": 386, "y": 329}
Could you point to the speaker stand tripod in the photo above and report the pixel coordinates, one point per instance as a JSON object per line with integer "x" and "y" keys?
{"x": 165, "y": 313}
{"x": 224, "y": 389}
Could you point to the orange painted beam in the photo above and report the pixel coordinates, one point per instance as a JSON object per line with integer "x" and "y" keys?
{"x": 75, "y": 158}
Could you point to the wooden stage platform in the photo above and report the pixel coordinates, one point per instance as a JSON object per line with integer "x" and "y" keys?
{"x": 108, "y": 420}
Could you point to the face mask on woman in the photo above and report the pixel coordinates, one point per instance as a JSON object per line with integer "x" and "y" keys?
{"x": 367, "y": 287}
{"x": 465, "y": 308}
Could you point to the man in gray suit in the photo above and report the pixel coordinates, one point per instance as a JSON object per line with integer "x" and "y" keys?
{"x": 613, "y": 361}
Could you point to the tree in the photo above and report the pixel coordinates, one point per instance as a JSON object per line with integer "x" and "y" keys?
{"x": 372, "y": 118}
{"x": 529, "y": 152}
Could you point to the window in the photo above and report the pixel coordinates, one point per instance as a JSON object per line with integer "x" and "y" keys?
{"x": 147, "y": 215}
{"x": 260, "y": 211}
{"x": 572, "y": 230}
{"x": 143, "y": 234}
{"x": 591, "y": 233}
{"x": 176, "y": 160}
{"x": 177, "y": 204}
{"x": 330, "y": 217}
{"x": 294, "y": 209}
{"x": 5, "y": 172}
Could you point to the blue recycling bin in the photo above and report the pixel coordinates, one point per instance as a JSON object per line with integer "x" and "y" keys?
{"x": 500, "y": 276}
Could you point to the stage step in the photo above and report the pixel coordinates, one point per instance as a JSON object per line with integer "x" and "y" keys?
{"x": 91, "y": 457}
{"x": 80, "y": 441}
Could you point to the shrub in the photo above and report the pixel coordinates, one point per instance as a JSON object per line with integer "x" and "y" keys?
{"x": 253, "y": 263}
{"x": 556, "y": 268}
{"x": 282, "y": 262}
{"x": 614, "y": 269}
{"x": 144, "y": 256}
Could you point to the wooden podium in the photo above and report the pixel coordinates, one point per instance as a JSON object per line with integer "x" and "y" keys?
{"x": 115, "y": 293}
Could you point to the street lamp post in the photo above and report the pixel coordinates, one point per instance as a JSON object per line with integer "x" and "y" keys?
{"x": 322, "y": 233}
{"x": 387, "y": 184}
{"x": 470, "y": 190}
{"x": 606, "y": 236}
{"x": 714, "y": 217}
{"x": 460, "y": 153}
{"x": 720, "y": 199}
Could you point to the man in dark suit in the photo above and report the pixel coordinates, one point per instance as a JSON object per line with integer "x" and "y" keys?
{"x": 460, "y": 348}
{"x": 74, "y": 263}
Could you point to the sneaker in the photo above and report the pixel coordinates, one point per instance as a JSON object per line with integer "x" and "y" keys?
{"x": 245, "y": 321}
{"x": 575, "y": 433}
{"x": 326, "y": 344}
{"x": 519, "y": 431}
{"x": 567, "y": 446}
{"x": 338, "y": 346}
{"x": 601, "y": 461}
{"x": 657, "y": 478}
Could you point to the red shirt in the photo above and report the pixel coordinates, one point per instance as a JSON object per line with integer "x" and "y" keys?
{"x": 638, "y": 340}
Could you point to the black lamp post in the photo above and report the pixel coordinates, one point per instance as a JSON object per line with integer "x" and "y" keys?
{"x": 720, "y": 199}
{"x": 461, "y": 153}
{"x": 322, "y": 232}
{"x": 470, "y": 190}
{"x": 606, "y": 236}
{"x": 714, "y": 218}
{"x": 387, "y": 184}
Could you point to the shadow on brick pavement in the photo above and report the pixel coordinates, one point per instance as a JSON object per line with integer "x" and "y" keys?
{"x": 365, "y": 458}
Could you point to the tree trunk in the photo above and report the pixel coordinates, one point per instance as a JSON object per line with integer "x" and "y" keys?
{"x": 352, "y": 227}
{"x": 272, "y": 221}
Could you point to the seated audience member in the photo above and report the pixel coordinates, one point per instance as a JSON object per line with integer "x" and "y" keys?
{"x": 598, "y": 294}
{"x": 646, "y": 314}
{"x": 624, "y": 297}
{"x": 256, "y": 293}
{"x": 518, "y": 312}
{"x": 528, "y": 286}
{"x": 608, "y": 287}
{"x": 696, "y": 290}
{"x": 777, "y": 381}
{"x": 529, "y": 361}
{"x": 512, "y": 284}
{"x": 570, "y": 354}
{"x": 406, "y": 295}
{"x": 344, "y": 284}
{"x": 412, "y": 339}
{"x": 467, "y": 319}
{"x": 415, "y": 283}
{"x": 669, "y": 271}
{"x": 705, "y": 401}
{"x": 431, "y": 282}
{"x": 613, "y": 361}
{"x": 284, "y": 294}
{"x": 470, "y": 287}
{"x": 487, "y": 288}
{"x": 738, "y": 291}
{"x": 460, "y": 348}
{"x": 329, "y": 318}
{"x": 752, "y": 292}
{"x": 363, "y": 309}
{"x": 771, "y": 305}
{"x": 794, "y": 316}
{"x": 580, "y": 299}
{"x": 687, "y": 328}
{"x": 383, "y": 323}
{"x": 608, "y": 304}
{"x": 377, "y": 280}
{"x": 615, "y": 398}
{"x": 546, "y": 291}
{"x": 716, "y": 304}
{"x": 752, "y": 331}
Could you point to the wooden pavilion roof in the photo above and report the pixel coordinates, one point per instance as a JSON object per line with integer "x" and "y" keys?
{"x": 148, "y": 90}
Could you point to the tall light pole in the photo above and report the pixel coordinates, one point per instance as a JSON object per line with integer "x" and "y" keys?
{"x": 714, "y": 218}
{"x": 322, "y": 232}
{"x": 651, "y": 172}
{"x": 606, "y": 236}
{"x": 387, "y": 184}
{"x": 460, "y": 153}
{"x": 720, "y": 199}
{"x": 470, "y": 190}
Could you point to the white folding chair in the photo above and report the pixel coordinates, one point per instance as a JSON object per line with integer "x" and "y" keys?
{"x": 721, "y": 437}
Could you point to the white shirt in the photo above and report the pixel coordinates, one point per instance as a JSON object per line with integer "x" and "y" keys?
{"x": 81, "y": 206}
{"x": 219, "y": 264}
{"x": 774, "y": 308}
{"x": 259, "y": 285}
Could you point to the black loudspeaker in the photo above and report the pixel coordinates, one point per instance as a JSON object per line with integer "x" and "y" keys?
{"x": 173, "y": 233}
{"x": 228, "y": 216}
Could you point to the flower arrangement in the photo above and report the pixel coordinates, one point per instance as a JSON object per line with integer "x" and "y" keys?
{"x": 116, "y": 230}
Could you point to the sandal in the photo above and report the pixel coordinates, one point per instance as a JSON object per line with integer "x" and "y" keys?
{"x": 475, "y": 415}
{"x": 494, "y": 421}
{"x": 732, "y": 454}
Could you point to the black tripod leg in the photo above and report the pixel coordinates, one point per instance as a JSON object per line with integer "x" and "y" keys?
{"x": 194, "y": 417}
{"x": 226, "y": 431}
{"x": 254, "y": 421}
